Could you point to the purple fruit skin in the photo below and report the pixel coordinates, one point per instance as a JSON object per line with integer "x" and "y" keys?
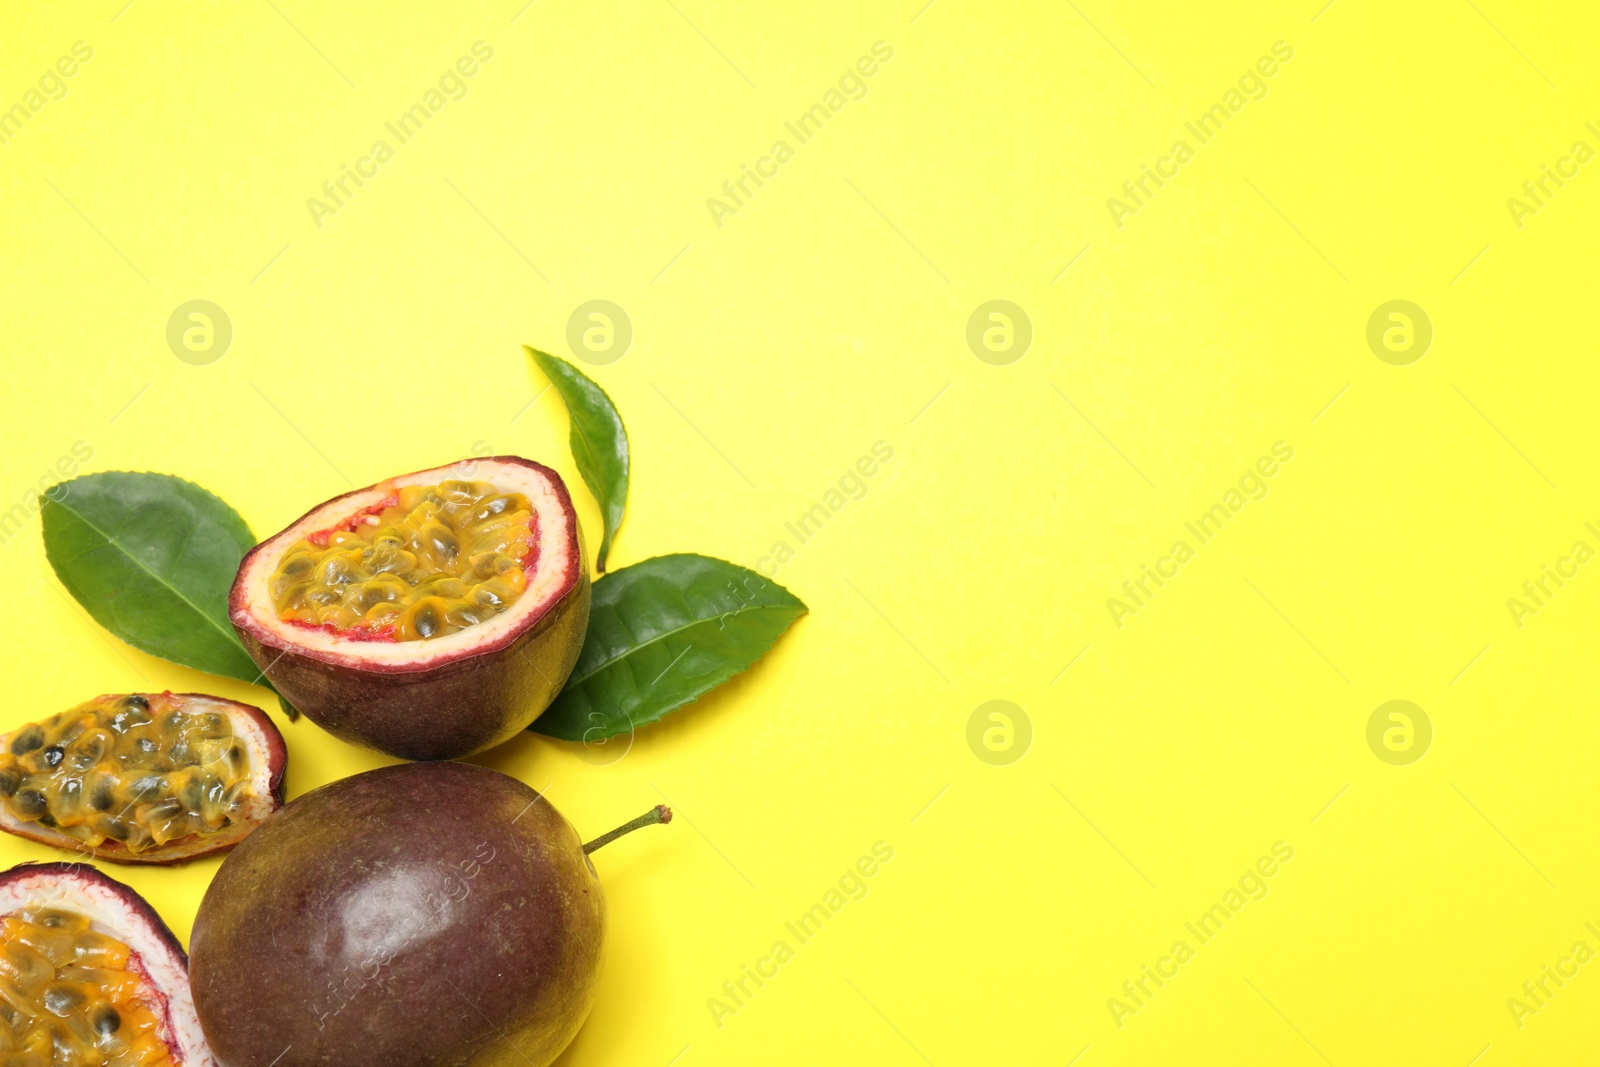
{"x": 438, "y": 914}
{"x": 464, "y": 706}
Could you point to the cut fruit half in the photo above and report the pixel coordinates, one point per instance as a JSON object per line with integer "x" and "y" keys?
{"x": 429, "y": 616}
{"x": 89, "y": 974}
{"x": 142, "y": 777}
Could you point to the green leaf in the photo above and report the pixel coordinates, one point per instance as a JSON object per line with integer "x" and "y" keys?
{"x": 662, "y": 633}
{"x": 598, "y": 440}
{"x": 287, "y": 708}
{"x": 152, "y": 557}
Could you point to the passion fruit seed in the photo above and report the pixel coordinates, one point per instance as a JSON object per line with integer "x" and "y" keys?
{"x": 26, "y": 740}
{"x": 432, "y": 560}
{"x": 69, "y": 995}
{"x": 30, "y": 804}
{"x": 141, "y": 771}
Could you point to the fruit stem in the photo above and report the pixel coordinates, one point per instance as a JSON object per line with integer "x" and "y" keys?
{"x": 659, "y": 813}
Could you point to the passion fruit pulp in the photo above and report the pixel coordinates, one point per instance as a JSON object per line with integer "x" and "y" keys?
{"x": 142, "y": 777}
{"x": 429, "y": 616}
{"x": 89, "y": 974}
{"x": 425, "y": 562}
{"x": 424, "y": 913}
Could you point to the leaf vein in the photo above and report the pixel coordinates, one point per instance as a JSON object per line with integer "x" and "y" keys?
{"x": 604, "y": 664}
{"x": 139, "y": 564}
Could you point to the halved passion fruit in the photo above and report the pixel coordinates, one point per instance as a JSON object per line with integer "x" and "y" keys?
{"x": 429, "y": 616}
{"x": 89, "y": 974}
{"x": 142, "y": 777}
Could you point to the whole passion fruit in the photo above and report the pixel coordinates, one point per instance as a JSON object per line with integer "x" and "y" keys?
{"x": 429, "y": 616}
{"x": 89, "y": 974}
{"x": 142, "y": 777}
{"x": 425, "y": 914}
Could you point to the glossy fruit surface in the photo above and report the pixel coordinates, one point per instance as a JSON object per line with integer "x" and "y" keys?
{"x": 424, "y": 914}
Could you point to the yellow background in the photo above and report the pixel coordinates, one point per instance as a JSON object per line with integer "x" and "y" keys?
{"x": 829, "y": 313}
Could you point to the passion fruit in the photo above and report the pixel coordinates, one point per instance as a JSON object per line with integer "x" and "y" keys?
{"x": 142, "y": 777}
{"x": 89, "y": 974}
{"x": 424, "y": 913}
{"x": 428, "y": 616}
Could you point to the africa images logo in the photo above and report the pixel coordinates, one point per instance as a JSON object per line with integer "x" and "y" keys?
{"x": 1252, "y": 85}
{"x": 1137, "y": 592}
{"x": 852, "y": 85}
{"x": 452, "y": 85}
{"x": 1252, "y": 885}
{"x": 853, "y": 885}
{"x": 52, "y": 86}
